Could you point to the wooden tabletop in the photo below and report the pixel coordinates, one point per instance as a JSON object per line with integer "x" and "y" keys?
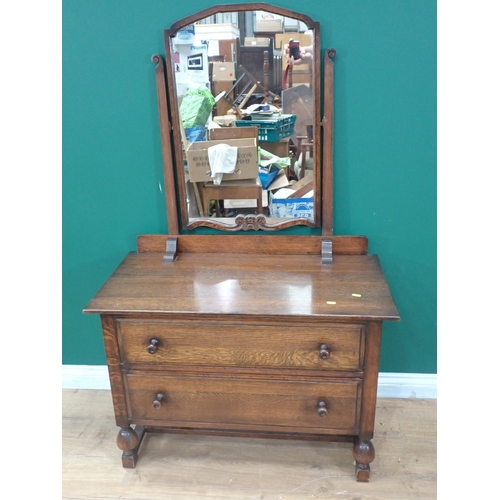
{"x": 353, "y": 287}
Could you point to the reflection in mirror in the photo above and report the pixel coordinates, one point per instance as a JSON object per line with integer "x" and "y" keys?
{"x": 223, "y": 296}
{"x": 245, "y": 93}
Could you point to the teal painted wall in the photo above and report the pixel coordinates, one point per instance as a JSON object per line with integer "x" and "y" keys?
{"x": 385, "y": 151}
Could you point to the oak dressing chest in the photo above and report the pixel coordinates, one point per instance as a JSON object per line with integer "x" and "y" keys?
{"x": 259, "y": 335}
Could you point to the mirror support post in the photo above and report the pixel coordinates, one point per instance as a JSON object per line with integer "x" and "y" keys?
{"x": 327, "y": 170}
{"x": 165, "y": 131}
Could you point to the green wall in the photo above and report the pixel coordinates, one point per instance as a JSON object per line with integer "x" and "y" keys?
{"x": 385, "y": 151}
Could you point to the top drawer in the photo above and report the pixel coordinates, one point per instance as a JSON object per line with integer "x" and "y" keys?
{"x": 221, "y": 344}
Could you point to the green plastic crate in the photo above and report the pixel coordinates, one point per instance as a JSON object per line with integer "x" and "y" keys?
{"x": 271, "y": 130}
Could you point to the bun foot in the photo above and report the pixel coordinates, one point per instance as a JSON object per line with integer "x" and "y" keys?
{"x": 362, "y": 473}
{"x": 129, "y": 440}
{"x": 364, "y": 453}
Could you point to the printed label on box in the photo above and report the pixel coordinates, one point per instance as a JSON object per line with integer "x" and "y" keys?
{"x": 292, "y": 208}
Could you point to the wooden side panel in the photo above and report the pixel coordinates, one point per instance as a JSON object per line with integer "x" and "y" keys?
{"x": 369, "y": 398}
{"x": 254, "y": 244}
{"x": 115, "y": 374}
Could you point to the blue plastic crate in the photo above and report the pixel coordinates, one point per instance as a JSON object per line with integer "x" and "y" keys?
{"x": 272, "y": 129}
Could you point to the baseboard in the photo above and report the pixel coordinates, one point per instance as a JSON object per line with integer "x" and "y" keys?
{"x": 85, "y": 377}
{"x": 407, "y": 385}
{"x": 390, "y": 385}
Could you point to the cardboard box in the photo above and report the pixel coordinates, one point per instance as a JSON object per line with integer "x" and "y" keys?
{"x": 246, "y": 165}
{"x": 269, "y": 25}
{"x": 257, "y": 42}
{"x": 301, "y": 79}
{"x": 223, "y": 72}
{"x": 291, "y": 208}
{"x": 280, "y": 181}
{"x": 235, "y": 204}
{"x": 280, "y": 148}
{"x": 266, "y": 177}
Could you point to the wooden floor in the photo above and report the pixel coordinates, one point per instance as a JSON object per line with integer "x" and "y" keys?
{"x": 202, "y": 467}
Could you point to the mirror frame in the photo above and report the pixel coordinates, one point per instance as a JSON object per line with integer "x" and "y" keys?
{"x": 171, "y": 137}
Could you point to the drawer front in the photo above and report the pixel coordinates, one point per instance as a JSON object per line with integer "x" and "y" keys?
{"x": 211, "y": 344}
{"x": 251, "y": 404}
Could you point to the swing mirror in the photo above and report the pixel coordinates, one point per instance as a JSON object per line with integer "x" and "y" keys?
{"x": 243, "y": 88}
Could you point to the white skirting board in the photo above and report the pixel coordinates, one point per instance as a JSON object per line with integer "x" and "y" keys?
{"x": 390, "y": 385}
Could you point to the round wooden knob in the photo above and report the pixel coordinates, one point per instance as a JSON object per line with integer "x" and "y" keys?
{"x": 153, "y": 346}
{"x": 324, "y": 352}
{"x": 322, "y": 409}
{"x": 157, "y": 401}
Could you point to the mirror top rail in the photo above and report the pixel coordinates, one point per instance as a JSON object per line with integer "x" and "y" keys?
{"x": 239, "y": 7}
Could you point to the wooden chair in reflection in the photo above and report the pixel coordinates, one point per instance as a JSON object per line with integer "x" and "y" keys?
{"x": 248, "y": 189}
{"x": 259, "y": 77}
{"x": 299, "y": 101}
{"x": 305, "y": 151}
{"x": 261, "y": 59}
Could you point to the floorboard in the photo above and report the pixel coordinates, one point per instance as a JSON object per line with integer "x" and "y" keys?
{"x": 173, "y": 466}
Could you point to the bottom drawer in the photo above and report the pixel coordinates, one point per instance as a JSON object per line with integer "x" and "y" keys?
{"x": 244, "y": 404}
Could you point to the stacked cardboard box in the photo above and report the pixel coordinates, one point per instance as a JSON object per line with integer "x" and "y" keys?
{"x": 246, "y": 166}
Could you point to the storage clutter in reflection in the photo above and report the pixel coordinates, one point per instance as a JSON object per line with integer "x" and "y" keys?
{"x": 246, "y": 105}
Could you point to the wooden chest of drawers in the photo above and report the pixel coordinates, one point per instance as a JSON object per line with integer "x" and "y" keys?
{"x": 209, "y": 344}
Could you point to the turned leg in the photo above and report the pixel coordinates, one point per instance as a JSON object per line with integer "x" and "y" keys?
{"x": 363, "y": 450}
{"x": 364, "y": 453}
{"x": 129, "y": 440}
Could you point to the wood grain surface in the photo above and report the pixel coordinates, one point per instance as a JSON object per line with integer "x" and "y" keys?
{"x": 187, "y": 343}
{"x": 353, "y": 287}
{"x": 229, "y": 403}
{"x": 271, "y": 244}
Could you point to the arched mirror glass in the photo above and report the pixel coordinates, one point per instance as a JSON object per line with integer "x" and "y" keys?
{"x": 243, "y": 87}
